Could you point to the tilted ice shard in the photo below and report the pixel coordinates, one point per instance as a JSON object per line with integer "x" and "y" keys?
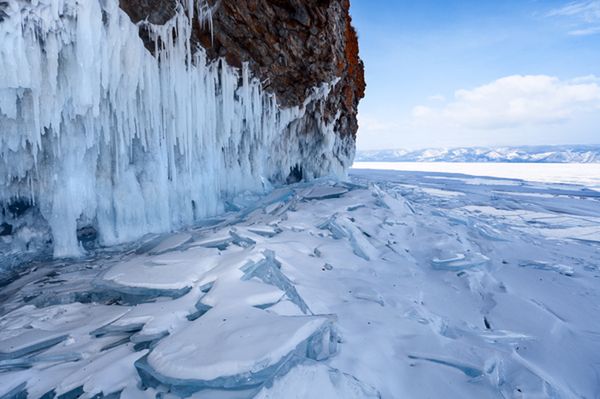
{"x": 96, "y": 130}
{"x": 269, "y": 271}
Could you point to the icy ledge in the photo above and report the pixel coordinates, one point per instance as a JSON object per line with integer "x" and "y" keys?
{"x": 99, "y": 134}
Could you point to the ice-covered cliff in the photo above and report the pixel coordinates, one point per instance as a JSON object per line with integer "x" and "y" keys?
{"x": 123, "y": 118}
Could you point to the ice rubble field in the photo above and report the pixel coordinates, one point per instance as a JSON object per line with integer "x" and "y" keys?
{"x": 392, "y": 285}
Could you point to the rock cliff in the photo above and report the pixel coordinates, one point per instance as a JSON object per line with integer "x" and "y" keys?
{"x": 292, "y": 45}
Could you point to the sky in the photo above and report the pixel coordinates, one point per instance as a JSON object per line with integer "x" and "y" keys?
{"x": 478, "y": 72}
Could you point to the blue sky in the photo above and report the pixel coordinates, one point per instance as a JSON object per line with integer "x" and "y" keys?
{"x": 487, "y": 72}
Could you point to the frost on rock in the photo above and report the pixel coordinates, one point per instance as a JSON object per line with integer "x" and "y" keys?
{"x": 107, "y": 141}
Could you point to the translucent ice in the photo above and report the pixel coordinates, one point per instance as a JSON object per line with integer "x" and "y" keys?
{"x": 269, "y": 271}
{"x": 322, "y": 192}
{"x": 234, "y": 348}
{"x": 99, "y": 132}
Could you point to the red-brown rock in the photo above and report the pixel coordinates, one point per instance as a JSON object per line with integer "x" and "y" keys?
{"x": 291, "y": 45}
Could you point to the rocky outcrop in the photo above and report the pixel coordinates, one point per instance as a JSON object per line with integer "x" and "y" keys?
{"x": 291, "y": 45}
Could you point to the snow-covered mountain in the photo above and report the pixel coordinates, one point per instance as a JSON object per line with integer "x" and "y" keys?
{"x": 538, "y": 154}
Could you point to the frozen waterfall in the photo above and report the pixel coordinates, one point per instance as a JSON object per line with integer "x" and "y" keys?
{"x": 97, "y": 131}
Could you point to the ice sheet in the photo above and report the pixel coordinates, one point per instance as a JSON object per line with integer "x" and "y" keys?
{"x": 486, "y": 294}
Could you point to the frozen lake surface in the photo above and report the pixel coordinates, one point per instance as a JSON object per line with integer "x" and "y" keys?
{"x": 395, "y": 284}
{"x": 587, "y": 174}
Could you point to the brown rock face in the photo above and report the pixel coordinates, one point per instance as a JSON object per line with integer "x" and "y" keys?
{"x": 155, "y": 11}
{"x": 291, "y": 45}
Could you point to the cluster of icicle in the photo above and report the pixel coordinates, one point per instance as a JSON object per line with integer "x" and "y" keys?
{"x": 94, "y": 127}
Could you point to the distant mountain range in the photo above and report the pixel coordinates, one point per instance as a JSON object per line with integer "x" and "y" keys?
{"x": 528, "y": 154}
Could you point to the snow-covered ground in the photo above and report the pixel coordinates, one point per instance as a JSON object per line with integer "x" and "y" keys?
{"x": 586, "y": 174}
{"x": 393, "y": 285}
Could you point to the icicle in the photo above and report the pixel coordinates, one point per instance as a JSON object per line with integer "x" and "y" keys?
{"x": 95, "y": 126}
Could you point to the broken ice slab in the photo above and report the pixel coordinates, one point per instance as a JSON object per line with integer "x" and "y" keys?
{"x": 249, "y": 292}
{"x": 28, "y": 342}
{"x": 146, "y": 341}
{"x": 269, "y": 271}
{"x": 331, "y": 224}
{"x": 171, "y": 243}
{"x": 201, "y": 309}
{"x": 26, "y": 362}
{"x": 31, "y": 325}
{"x": 145, "y": 272}
{"x": 233, "y": 348}
{"x": 272, "y": 208}
{"x": 398, "y": 205}
{"x": 265, "y": 231}
{"x": 459, "y": 262}
{"x": 98, "y": 376}
{"x": 241, "y": 241}
{"x": 358, "y": 240}
{"x": 157, "y": 319}
{"x": 322, "y": 192}
{"x": 344, "y": 228}
{"x": 317, "y": 381}
{"x": 169, "y": 275}
{"x": 469, "y": 371}
{"x": 368, "y": 294}
{"x": 134, "y": 295}
{"x": 276, "y": 197}
{"x": 16, "y": 391}
{"x": 286, "y": 307}
{"x": 558, "y": 268}
{"x": 220, "y": 242}
{"x": 353, "y": 208}
{"x": 223, "y": 241}
{"x": 122, "y": 332}
{"x": 231, "y": 207}
{"x": 117, "y": 329}
{"x": 515, "y": 376}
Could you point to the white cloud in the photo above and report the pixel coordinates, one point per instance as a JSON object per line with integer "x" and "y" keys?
{"x": 437, "y": 97}
{"x": 515, "y": 101}
{"x": 593, "y": 30}
{"x": 588, "y": 11}
{"x": 584, "y": 15}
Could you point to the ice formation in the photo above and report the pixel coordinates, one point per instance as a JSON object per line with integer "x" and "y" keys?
{"x": 97, "y": 132}
{"x": 489, "y": 294}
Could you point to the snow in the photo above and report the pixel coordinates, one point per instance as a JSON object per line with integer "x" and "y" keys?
{"x": 562, "y": 173}
{"x": 376, "y": 287}
{"x": 324, "y": 383}
{"x": 528, "y": 154}
{"x": 161, "y": 272}
{"x": 231, "y": 341}
{"x": 96, "y": 131}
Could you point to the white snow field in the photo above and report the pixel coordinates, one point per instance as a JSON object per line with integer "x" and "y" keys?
{"x": 587, "y": 174}
{"x": 390, "y": 285}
